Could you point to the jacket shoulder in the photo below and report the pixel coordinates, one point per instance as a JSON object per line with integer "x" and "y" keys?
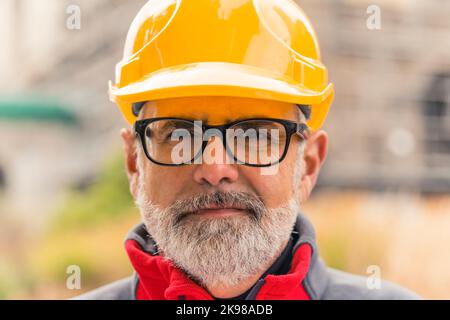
{"x": 346, "y": 286}
{"x": 118, "y": 290}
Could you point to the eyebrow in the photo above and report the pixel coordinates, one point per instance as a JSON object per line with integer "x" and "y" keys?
{"x": 170, "y": 123}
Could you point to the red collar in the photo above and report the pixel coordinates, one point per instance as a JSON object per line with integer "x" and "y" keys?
{"x": 159, "y": 279}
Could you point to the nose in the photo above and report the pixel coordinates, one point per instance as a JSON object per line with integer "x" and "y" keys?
{"x": 215, "y": 173}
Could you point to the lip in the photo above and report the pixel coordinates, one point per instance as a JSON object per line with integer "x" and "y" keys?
{"x": 219, "y": 212}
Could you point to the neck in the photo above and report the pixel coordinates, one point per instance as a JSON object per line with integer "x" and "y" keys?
{"x": 222, "y": 291}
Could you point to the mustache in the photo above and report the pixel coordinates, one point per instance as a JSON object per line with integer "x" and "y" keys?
{"x": 234, "y": 199}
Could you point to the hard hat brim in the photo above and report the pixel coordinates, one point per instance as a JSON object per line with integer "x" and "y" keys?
{"x": 217, "y": 79}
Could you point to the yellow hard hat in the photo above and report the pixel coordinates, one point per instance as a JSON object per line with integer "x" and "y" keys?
{"x": 264, "y": 49}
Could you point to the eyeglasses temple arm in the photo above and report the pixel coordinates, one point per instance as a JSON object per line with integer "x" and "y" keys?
{"x": 303, "y": 131}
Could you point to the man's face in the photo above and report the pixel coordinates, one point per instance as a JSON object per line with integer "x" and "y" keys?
{"x": 220, "y": 222}
{"x": 165, "y": 184}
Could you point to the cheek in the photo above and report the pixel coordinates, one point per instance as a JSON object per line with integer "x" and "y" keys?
{"x": 163, "y": 184}
{"x": 275, "y": 189}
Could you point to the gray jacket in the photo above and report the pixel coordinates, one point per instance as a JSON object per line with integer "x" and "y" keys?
{"x": 320, "y": 283}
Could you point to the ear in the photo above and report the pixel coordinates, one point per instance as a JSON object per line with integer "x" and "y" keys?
{"x": 314, "y": 156}
{"x": 129, "y": 144}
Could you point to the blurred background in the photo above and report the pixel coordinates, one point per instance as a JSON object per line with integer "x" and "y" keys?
{"x": 383, "y": 197}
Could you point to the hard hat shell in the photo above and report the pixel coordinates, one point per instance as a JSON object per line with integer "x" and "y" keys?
{"x": 264, "y": 49}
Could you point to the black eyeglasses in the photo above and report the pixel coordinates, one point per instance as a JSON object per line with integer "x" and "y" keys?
{"x": 256, "y": 142}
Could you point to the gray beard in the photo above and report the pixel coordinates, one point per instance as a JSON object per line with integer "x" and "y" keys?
{"x": 223, "y": 250}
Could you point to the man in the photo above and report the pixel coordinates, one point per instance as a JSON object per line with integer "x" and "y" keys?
{"x": 226, "y": 99}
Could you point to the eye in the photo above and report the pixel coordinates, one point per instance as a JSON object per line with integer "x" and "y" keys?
{"x": 177, "y": 131}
